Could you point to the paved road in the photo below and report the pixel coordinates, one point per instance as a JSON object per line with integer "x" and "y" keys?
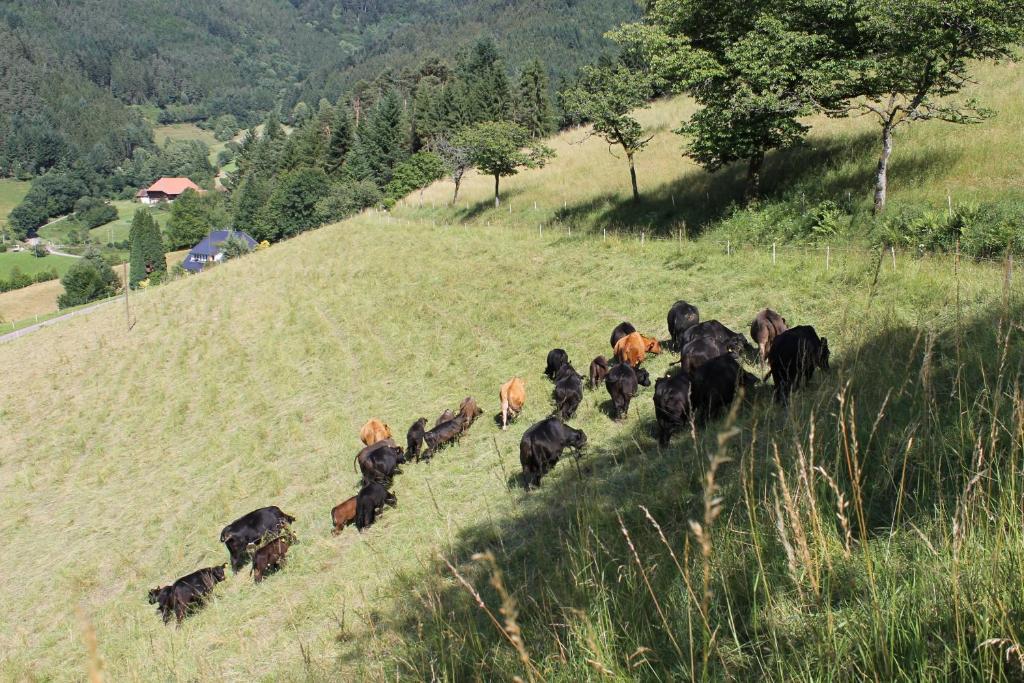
{"x": 10, "y": 336}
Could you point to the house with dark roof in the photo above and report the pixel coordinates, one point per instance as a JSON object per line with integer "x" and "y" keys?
{"x": 208, "y": 251}
{"x": 166, "y": 190}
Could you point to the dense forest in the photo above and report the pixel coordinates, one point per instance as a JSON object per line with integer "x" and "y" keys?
{"x": 70, "y": 70}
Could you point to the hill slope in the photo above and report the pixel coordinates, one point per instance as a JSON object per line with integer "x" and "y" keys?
{"x": 124, "y": 453}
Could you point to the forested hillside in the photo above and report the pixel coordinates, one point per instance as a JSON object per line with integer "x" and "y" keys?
{"x": 69, "y": 69}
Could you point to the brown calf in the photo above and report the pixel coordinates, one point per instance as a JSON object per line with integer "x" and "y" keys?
{"x": 373, "y": 431}
{"x": 512, "y": 396}
{"x": 269, "y": 558}
{"x": 343, "y": 514}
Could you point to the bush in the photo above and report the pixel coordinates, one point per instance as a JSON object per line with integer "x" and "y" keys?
{"x": 89, "y": 279}
{"x": 91, "y": 212}
{"x": 985, "y": 230}
{"x": 346, "y": 199}
{"x": 39, "y": 251}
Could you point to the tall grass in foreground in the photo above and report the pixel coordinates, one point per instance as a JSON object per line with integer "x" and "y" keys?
{"x": 874, "y": 532}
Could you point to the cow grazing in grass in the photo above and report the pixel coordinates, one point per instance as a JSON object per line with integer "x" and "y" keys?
{"x": 672, "y": 407}
{"x": 598, "y": 371}
{"x": 542, "y": 445}
{"x": 414, "y": 438}
{"x": 715, "y": 384}
{"x": 512, "y": 396}
{"x": 270, "y": 557}
{"x": 766, "y": 326}
{"x": 699, "y": 351}
{"x": 722, "y": 335}
{"x": 370, "y": 502}
{"x": 249, "y": 529}
{"x": 568, "y": 391}
{"x": 373, "y": 431}
{"x": 187, "y": 593}
{"x": 651, "y": 345}
{"x": 382, "y": 464}
{"x": 442, "y": 435}
{"x": 343, "y": 514}
{"x": 363, "y": 456}
{"x": 681, "y": 317}
{"x": 469, "y": 411}
{"x": 631, "y": 349}
{"x": 621, "y": 330}
{"x": 793, "y": 356}
{"x": 556, "y": 359}
{"x": 622, "y": 383}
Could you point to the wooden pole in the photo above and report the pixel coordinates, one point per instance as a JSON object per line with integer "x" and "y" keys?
{"x": 828, "y": 256}
{"x": 892, "y": 250}
{"x": 773, "y": 253}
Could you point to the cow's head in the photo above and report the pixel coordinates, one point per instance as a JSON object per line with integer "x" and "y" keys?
{"x": 577, "y": 439}
{"x": 643, "y": 377}
{"x": 652, "y": 345}
{"x": 218, "y": 572}
{"x": 823, "y": 354}
{"x": 390, "y": 500}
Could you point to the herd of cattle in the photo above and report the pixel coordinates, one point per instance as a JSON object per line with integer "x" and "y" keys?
{"x": 707, "y": 381}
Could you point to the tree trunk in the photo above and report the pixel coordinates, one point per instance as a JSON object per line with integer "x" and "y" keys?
{"x": 882, "y": 174}
{"x": 496, "y": 200}
{"x": 632, "y": 178}
{"x": 455, "y": 197}
{"x": 752, "y": 191}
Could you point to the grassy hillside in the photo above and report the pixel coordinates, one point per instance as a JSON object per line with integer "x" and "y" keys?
{"x": 246, "y": 386}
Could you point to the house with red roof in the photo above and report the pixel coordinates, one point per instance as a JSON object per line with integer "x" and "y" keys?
{"x": 166, "y": 190}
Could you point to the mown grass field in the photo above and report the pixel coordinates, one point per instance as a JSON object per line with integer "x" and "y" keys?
{"x": 11, "y": 193}
{"x": 898, "y": 559}
{"x": 20, "y": 306}
{"x": 29, "y": 264}
{"x": 118, "y": 230}
{"x": 188, "y": 131}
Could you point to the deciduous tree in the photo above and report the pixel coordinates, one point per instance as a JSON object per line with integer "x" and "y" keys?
{"x": 500, "y": 149}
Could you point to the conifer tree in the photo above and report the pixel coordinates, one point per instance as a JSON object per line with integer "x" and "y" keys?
{"x": 387, "y": 138}
{"x": 534, "y": 110}
{"x": 146, "y": 251}
{"x": 341, "y": 140}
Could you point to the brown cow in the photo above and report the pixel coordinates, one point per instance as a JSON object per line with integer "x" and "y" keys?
{"x": 766, "y": 326}
{"x": 270, "y": 557}
{"x": 598, "y": 371}
{"x": 651, "y": 345}
{"x": 373, "y": 431}
{"x": 512, "y": 396}
{"x": 469, "y": 411}
{"x": 448, "y": 414}
{"x": 343, "y": 514}
{"x": 631, "y": 349}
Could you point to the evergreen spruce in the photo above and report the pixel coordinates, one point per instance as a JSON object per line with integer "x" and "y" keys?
{"x": 146, "y": 252}
{"x": 534, "y": 110}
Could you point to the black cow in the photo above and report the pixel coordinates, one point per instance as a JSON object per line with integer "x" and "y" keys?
{"x": 542, "y": 445}
{"x": 681, "y": 317}
{"x": 793, "y": 356}
{"x": 712, "y": 329}
{"x": 441, "y": 435}
{"x": 556, "y": 359}
{"x": 366, "y": 451}
{"x": 187, "y": 593}
{"x": 714, "y": 385}
{"x": 621, "y": 330}
{"x": 699, "y": 351}
{"x": 370, "y": 502}
{"x": 414, "y": 438}
{"x": 672, "y": 406}
{"x": 382, "y": 465}
{"x": 568, "y": 392}
{"x": 622, "y": 383}
{"x": 598, "y": 371}
{"x": 250, "y": 528}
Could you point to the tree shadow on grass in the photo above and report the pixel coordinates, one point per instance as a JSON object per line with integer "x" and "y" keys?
{"x": 602, "y": 562}
{"x": 839, "y": 169}
{"x": 473, "y": 211}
